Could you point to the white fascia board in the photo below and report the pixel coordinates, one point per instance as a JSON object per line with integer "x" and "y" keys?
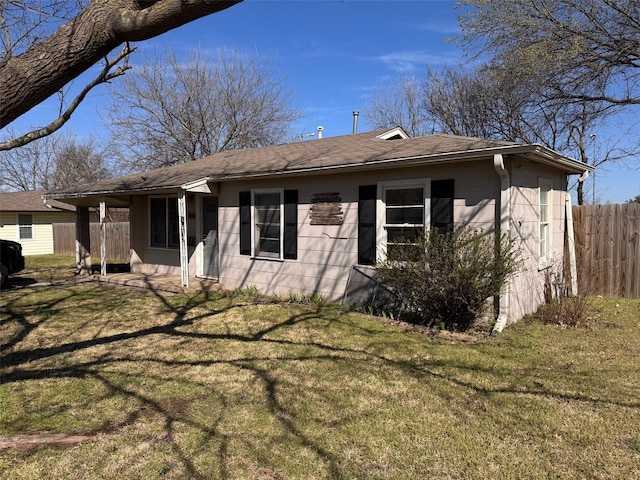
{"x": 202, "y": 185}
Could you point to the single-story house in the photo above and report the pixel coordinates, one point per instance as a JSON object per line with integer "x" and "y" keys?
{"x": 27, "y": 219}
{"x": 297, "y": 217}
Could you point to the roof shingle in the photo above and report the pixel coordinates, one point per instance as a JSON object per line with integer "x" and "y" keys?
{"x": 348, "y": 151}
{"x": 31, "y": 201}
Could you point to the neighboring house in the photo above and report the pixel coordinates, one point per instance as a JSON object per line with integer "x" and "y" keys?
{"x": 27, "y": 219}
{"x": 297, "y": 217}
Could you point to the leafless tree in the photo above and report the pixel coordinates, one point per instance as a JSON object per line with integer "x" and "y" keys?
{"x": 461, "y": 102}
{"x": 53, "y": 162}
{"x": 76, "y": 163}
{"x": 32, "y": 67}
{"x": 28, "y": 167}
{"x": 171, "y": 111}
{"x": 399, "y": 105}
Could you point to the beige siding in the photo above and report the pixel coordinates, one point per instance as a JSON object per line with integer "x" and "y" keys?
{"x": 527, "y": 288}
{"x": 42, "y": 241}
{"x": 326, "y": 253}
{"x": 149, "y": 260}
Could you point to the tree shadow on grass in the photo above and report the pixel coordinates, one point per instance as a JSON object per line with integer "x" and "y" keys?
{"x": 19, "y": 364}
{"x": 187, "y": 311}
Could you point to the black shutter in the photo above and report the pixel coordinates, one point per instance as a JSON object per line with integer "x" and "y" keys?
{"x": 442, "y": 205}
{"x": 245, "y": 223}
{"x": 291, "y": 224}
{"x": 367, "y": 224}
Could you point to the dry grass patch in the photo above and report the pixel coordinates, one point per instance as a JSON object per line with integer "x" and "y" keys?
{"x": 204, "y": 386}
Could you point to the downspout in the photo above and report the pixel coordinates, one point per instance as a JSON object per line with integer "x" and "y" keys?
{"x": 505, "y": 227}
{"x": 572, "y": 240}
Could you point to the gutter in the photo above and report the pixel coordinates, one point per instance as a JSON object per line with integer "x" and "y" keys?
{"x": 505, "y": 227}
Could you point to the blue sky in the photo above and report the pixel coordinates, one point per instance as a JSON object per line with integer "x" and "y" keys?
{"x": 333, "y": 55}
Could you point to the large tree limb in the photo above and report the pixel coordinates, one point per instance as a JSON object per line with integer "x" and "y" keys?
{"x": 30, "y": 78}
{"x": 103, "y": 77}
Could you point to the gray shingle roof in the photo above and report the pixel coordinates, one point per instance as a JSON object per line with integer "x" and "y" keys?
{"x": 31, "y": 201}
{"x": 363, "y": 150}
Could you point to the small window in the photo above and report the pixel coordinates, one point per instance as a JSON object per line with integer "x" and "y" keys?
{"x": 267, "y": 221}
{"x": 163, "y": 222}
{"x": 269, "y": 224}
{"x": 25, "y": 226}
{"x": 403, "y": 219}
{"x": 545, "y": 219}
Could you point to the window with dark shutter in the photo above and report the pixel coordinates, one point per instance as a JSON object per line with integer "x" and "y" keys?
{"x": 245, "y": 223}
{"x": 269, "y": 219}
{"x": 367, "y": 224}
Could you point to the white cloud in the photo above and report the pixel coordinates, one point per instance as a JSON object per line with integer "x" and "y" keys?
{"x": 407, "y": 61}
{"x": 447, "y": 28}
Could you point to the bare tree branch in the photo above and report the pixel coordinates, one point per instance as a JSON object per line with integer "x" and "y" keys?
{"x": 105, "y": 75}
{"x": 44, "y": 68}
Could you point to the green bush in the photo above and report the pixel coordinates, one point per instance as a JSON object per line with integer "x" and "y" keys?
{"x": 445, "y": 279}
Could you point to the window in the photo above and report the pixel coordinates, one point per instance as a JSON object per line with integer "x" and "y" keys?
{"x": 267, "y": 232}
{"x": 163, "y": 222}
{"x": 391, "y": 216}
{"x": 404, "y": 219}
{"x": 545, "y": 218}
{"x": 25, "y": 226}
{"x": 269, "y": 223}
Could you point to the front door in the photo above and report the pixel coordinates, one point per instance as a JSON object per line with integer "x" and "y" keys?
{"x": 210, "y": 236}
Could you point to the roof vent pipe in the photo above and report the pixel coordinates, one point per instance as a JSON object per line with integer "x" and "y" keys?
{"x": 355, "y": 121}
{"x": 320, "y": 128}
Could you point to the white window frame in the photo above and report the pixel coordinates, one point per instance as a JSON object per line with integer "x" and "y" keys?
{"x": 545, "y": 226}
{"x": 19, "y": 226}
{"x": 166, "y": 199}
{"x": 381, "y": 232}
{"x": 254, "y": 227}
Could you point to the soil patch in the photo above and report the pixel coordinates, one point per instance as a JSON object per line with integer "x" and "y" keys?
{"x": 36, "y": 440}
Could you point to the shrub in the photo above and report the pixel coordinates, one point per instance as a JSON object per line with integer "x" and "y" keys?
{"x": 445, "y": 279}
{"x": 567, "y": 311}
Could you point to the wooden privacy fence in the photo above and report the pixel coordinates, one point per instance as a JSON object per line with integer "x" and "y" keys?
{"x": 607, "y": 242}
{"x": 118, "y": 246}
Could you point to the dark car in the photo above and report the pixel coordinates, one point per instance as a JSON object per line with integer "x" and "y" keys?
{"x": 11, "y": 260}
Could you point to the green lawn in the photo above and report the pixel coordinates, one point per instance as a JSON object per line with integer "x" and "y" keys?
{"x": 208, "y": 387}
